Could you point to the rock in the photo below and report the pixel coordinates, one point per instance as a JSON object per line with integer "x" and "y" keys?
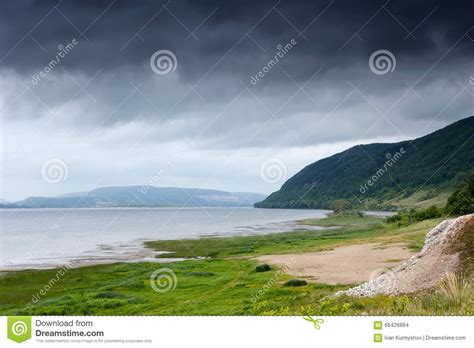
{"x": 295, "y": 282}
{"x": 262, "y": 268}
{"x": 424, "y": 270}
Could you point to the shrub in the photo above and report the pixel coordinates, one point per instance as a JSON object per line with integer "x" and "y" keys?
{"x": 295, "y": 282}
{"x": 212, "y": 254}
{"x": 262, "y": 268}
{"x": 404, "y": 218}
{"x": 461, "y": 202}
{"x": 340, "y": 206}
{"x": 429, "y": 213}
{"x": 455, "y": 287}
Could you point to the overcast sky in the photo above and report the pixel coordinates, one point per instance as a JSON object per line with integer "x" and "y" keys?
{"x": 85, "y": 87}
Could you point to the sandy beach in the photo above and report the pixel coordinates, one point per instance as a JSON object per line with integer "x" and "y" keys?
{"x": 342, "y": 265}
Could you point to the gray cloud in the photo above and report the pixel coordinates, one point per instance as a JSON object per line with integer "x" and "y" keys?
{"x": 320, "y": 94}
{"x": 126, "y": 33}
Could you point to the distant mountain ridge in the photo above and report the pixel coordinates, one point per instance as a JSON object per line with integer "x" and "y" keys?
{"x": 142, "y": 196}
{"x": 384, "y": 176}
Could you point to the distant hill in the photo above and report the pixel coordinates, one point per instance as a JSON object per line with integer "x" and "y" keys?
{"x": 142, "y": 196}
{"x": 385, "y": 176}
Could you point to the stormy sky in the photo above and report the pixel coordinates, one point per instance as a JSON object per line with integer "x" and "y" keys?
{"x": 232, "y": 95}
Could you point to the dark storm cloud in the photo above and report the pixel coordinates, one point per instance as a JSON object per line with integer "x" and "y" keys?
{"x": 106, "y": 79}
{"x": 125, "y": 33}
{"x": 104, "y": 112}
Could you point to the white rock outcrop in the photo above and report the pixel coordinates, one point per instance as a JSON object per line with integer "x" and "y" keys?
{"x": 422, "y": 270}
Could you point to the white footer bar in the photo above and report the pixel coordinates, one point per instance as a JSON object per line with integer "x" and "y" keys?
{"x": 153, "y": 331}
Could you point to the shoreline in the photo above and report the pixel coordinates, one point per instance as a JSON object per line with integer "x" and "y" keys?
{"x": 201, "y": 286}
{"x": 140, "y": 252}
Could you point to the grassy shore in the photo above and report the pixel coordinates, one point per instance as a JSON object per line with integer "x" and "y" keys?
{"x": 225, "y": 283}
{"x": 345, "y": 229}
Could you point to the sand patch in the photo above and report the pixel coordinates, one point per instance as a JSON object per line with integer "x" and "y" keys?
{"x": 343, "y": 265}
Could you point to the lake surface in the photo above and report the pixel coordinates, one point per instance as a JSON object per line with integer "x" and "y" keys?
{"x": 38, "y": 238}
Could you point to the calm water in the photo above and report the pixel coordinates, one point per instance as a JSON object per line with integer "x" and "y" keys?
{"x": 48, "y": 237}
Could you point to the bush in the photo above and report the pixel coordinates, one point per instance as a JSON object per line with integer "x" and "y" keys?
{"x": 340, "y": 206}
{"x": 212, "y": 254}
{"x": 455, "y": 287}
{"x": 262, "y": 268}
{"x": 404, "y": 218}
{"x": 461, "y": 202}
{"x": 295, "y": 282}
{"x": 429, "y": 213}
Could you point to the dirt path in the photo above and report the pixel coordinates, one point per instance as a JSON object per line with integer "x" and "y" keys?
{"x": 343, "y": 265}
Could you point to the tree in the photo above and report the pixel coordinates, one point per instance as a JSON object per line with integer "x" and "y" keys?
{"x": 340, "y": 206}
{"x": 461, "y": 202}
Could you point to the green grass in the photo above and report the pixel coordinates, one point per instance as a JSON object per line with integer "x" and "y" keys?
{"x": 351, "y": 229}
{"x": 348, "y": 220}
{"x": 421, "y": 200}
{"x": 431, "y": 302}
{"x": 125, "y": 289}
{"x": 225, "y": 283}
